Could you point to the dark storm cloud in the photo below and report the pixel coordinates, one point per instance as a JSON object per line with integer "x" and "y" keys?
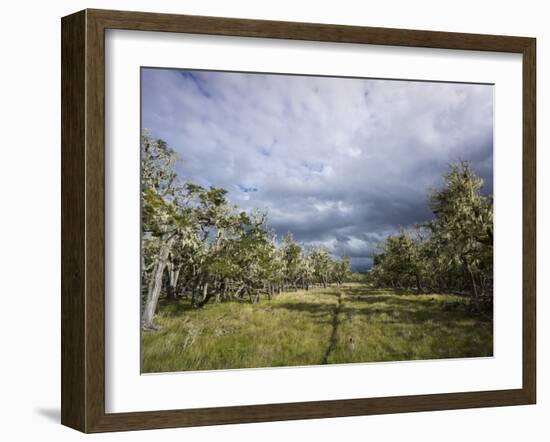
{"x": 339, "y": 162}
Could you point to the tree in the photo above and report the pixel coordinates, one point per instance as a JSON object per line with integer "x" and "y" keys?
{"x": 321, "y": 262}
{"x": 159, "y": 225}
{"x": 342, "y": 270}
{"x": 291, "y": 255}
{"x": 463, "y": 225}
{"x": 399, "y": 261}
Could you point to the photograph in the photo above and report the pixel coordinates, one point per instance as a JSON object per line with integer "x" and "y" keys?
{"x": 303, "y": 220}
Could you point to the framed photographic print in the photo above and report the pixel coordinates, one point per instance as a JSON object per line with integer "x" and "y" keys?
{"x": 269, "y": 220}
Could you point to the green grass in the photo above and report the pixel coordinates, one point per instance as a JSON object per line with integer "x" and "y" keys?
{"x": 336, "y": 325}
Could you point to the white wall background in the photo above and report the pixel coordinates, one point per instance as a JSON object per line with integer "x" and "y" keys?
{"x": 30, "y": 217}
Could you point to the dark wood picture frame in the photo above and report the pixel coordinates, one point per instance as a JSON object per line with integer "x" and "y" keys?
{"x": 83, "y": 220}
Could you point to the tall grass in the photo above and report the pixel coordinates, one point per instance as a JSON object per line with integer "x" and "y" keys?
{"x": 351, "y": 323}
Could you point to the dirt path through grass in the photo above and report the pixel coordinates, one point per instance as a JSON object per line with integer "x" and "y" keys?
{"x": 335, "y": 321}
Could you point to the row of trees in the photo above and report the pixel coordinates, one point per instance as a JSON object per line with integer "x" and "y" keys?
{"x": 197, "y": 245}
{"x": 451, "y": 253}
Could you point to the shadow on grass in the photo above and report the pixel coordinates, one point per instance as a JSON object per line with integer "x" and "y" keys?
{"x": 364, "y": 292}
{"x": 412, "y": 311}
{"x": 171, "y": 308}
{"x": 320, "y": 313}
{"x": 175, "y": 307}
{"x": 384, "y": 306}
{"x": 399, "y": 307}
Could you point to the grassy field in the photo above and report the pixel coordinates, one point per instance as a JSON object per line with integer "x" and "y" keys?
{"x": 335, "y": 325}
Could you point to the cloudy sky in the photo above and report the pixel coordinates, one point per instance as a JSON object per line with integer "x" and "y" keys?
{"x": 336, "y": 161}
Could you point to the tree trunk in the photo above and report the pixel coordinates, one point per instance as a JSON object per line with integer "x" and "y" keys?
{"x": 482, "y": 286}
{"x": 173, "y": 275}
{"x": 169, "y": 292}
{"x": 205, "y": 296}
{"x": 471, "y": 278}
{"x": 155, "y": 285}
{"x": 256, "y": 297}
{"x": 182, "y": 293}
{"x": 441, "y": 286}
{"x": 220, "y": 293}
{"x": 194, "y": 292}
{"x": 224, "y": 291}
